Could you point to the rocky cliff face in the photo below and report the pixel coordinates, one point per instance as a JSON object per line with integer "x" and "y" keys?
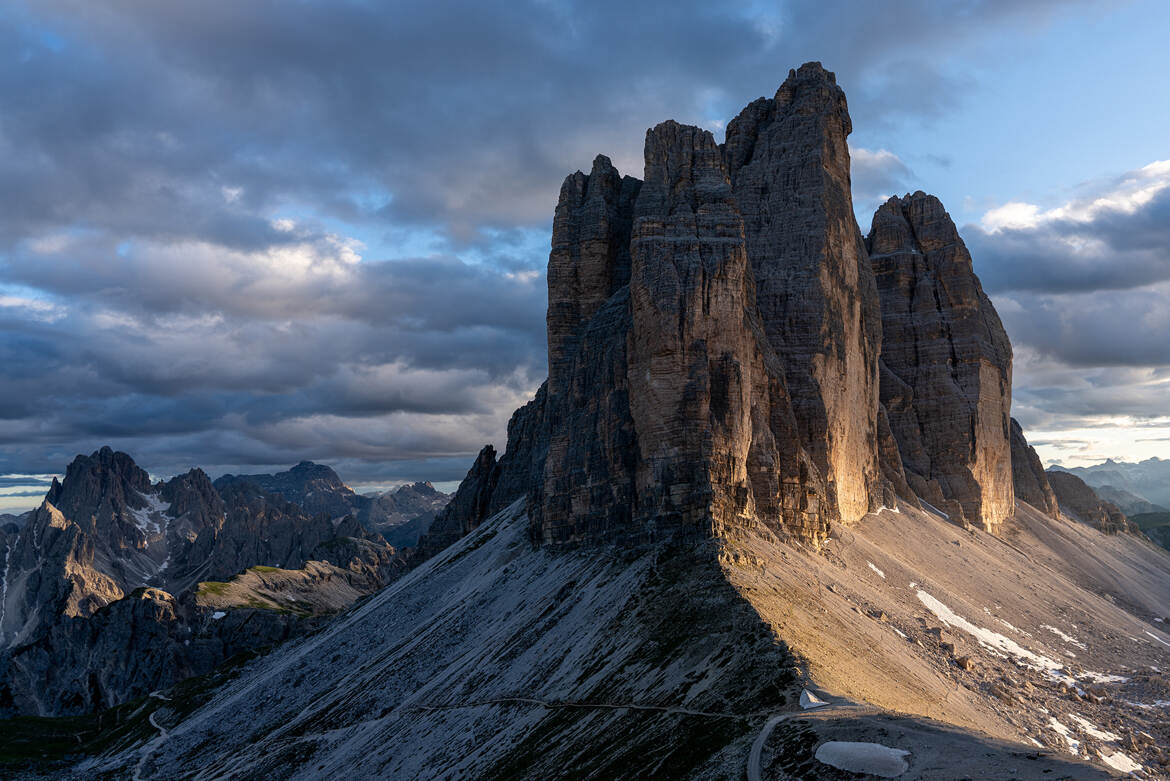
{"x": 1028, "y": 476}
{"x": 946, "y": 380}
{"x": 1079, "y": 502}
{"x": 714, "y": 336}
{"x": 788, "y": 161}
{"x": 717, "y": 438}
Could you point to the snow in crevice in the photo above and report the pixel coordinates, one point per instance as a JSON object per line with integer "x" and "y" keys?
{"x": 154, "y": 518}
{"x": 1160, "y": 640}
{"x": 4, "y": 589}
{"x": 1074, "y": 745}
{"x": 873, "y": 567}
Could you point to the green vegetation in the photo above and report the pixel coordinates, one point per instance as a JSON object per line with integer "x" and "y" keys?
{"x": 1146, "y": 521}
{"x": 212, "y": 588}
{"x": 263, "y": 568}
{"x": 42, "y": 745}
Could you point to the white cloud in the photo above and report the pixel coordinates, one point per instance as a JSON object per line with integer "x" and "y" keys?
{"x": 33, "y": 308}
{"x": 1125, "y": 196}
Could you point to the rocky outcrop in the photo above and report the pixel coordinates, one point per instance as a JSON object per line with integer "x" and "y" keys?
{"x": 50, "y": 573}
{"x": 1078, "y": 501}
{"x": 586, "y": 453}
{"x": 590, "y": 258}
{"x": 491, "y": 484}
{"x": 1028, "y": 476}
{"x": 946, "y": 379}
{"x": 467, "y": 508}
{"x": 146, "y": 641}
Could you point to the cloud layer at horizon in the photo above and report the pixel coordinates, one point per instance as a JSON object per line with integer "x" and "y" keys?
{"x": 239, "y": 235}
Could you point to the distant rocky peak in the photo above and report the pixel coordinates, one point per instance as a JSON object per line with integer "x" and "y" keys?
{"x": 99, "y": 488}
{"x": 307, "y": 470}
{"x": 810, "y": 88}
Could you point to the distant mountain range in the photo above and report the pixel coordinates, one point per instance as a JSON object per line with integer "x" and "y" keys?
{"x": 116, "y": 586}
{"x": 1140, "y": 487}
{"x": 400, "y": 515}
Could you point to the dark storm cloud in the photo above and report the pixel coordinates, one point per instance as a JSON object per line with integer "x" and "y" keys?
{"x": 242, "y": 234}
{"x": 1107, "y": 328}
{"x": 1111, "y": 249}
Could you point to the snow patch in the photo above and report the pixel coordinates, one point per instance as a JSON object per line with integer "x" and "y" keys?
{"x": 4, "y": 589}
{"x": 217, "y": 615}
{"x": 986, "y": 637}
{"x": 873, "y": 758}
{"x": 1119, "y": 761}
{"x": 995, "y": 642}
{"x": 873, "y": 567}
{"x": 1017, "y": 630}
{"x": 155, "y": 506}
{"x": 1148, "y": 705}
{"x": 809, "y": 700}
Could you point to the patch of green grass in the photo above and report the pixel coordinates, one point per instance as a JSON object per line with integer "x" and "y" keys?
{"x": 263, "y": 568}
{"x": 212, "y": 588}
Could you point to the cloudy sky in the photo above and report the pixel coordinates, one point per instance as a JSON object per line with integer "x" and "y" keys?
{"x": 239, "y": 234}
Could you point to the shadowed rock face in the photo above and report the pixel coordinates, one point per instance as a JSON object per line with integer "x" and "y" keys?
{"x": 788, "y": 161}
{"x": 590, "y": 258}
{"x": 1028, "y": 475}
{"x": 946, "y": 381}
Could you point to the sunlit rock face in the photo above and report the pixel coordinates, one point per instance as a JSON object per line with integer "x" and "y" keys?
{"x": 947, "y": 375}
{"x": 730, "y": 378}
{"x": 788, "y": 160}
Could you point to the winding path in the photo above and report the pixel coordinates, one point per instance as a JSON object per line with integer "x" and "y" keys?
{"x": 154, "y": 743}
{"x": 753, "y": 765}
